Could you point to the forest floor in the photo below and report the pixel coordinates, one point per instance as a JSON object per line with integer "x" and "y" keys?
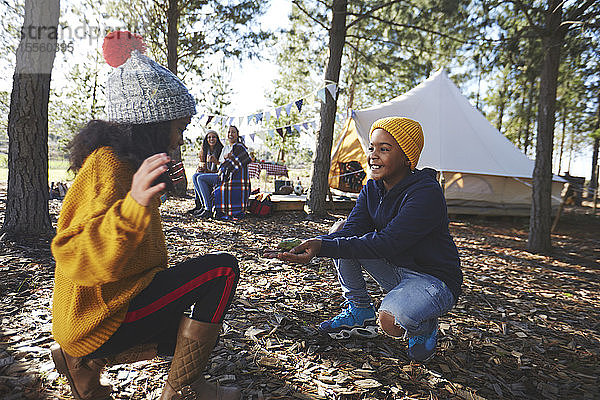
{"x": 526, "y": 325}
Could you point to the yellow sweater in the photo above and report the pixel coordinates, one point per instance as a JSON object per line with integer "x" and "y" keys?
{"x": 107, "y": 249}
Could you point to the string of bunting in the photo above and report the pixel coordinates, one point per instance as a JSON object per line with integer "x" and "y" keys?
{"x": 286, "y": 130}
{"x": 264, "y": 116}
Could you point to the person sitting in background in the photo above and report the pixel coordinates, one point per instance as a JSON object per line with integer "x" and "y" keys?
{"x": 225, "y": 194}
{"x": 398, "y": 233}
{"x": 208, "y": 163}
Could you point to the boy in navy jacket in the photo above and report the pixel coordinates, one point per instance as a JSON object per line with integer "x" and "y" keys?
{"x": 398, "y": 233}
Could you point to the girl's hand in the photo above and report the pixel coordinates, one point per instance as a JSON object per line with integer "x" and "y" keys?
{"x": 211, "y": 158}
{"x": 142, "y": 190}
{"x": 229, "y": 156}
{"x": 302, "y": 253}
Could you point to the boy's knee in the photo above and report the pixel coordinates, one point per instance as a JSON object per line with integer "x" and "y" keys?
{"x": 387, "y": 322}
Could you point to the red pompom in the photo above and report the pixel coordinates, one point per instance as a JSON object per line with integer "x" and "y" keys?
{"x": 118, "y": 45}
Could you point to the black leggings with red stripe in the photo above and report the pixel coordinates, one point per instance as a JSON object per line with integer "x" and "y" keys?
{"x": 207, "y": 284}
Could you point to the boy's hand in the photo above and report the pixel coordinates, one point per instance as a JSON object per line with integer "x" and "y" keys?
{"x": 302, "y": 253}
{"x": 142, "y": 190}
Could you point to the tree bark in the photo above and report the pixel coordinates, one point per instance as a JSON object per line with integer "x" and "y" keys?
{"x": 27, "y": 215}
{"x": 521, "y": 114}
{"x": 562, "y": 143}
{"x": 593, "y": 185}
{"x": 527, "y": 138}
{"x": 502, "y": 103}
{"x": 173, "y": 15}
{"x": 540, "y": 218}
{"x": 315, "y": 202}
{"x": 172, "y": 35}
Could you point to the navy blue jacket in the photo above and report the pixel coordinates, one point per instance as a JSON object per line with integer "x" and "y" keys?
{"x": 408, "y": 226}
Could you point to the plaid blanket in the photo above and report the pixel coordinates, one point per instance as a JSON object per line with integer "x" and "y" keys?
{"x": 231, "y": 196}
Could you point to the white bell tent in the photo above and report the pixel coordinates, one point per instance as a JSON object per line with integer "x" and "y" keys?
{"x": 483, "y": 172}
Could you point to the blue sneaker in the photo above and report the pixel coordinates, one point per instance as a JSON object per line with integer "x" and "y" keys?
{"x": 422, "y": 348}
{"x": 353, "y": 321}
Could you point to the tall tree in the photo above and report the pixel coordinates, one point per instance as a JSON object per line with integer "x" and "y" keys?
{"x": 593, "y": 185}
{"x": 27, "y": 213}
{"x": 551, "y": 25}
{"x": 315, "y": 201}
{"x": 548, "y": 23}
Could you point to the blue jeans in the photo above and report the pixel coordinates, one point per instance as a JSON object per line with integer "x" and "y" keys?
{"x": 416, "y": 300}
{"x": 204, "y": 184}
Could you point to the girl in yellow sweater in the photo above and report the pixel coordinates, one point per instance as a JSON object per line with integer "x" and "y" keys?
{"x": 115, "y": 300}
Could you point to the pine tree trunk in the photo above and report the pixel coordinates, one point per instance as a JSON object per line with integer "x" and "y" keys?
{"x": 352, "y": 78}
{"x": 172, "y": 61}
{"x": 527, "y": 138}
{"x": 562, "y": 146}
{"x": 502, "y": 104}
{"x": 27, "y": 215}
{"x": 540, "y": 218}
{"x": 522, "y": 114}
{"x": 315, "y": 202}
{"x": 593, "y": 185}
{"x": 172, "y": 35}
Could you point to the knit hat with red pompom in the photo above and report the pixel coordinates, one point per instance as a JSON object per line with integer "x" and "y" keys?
{"x": 139, "y": 90}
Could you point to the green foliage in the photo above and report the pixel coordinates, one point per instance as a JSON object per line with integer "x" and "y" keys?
{"x": 217, "y": 92}
{"x": 512, "y": 68}
{"x": 4, "y": 109}
{"x": 71, "y": 107}
{"x": 400, "y": 45}
{"x": 10, "y": 28}
{"x": 206, "y": 28}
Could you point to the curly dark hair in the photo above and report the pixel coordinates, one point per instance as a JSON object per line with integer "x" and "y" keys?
{"x": 131, "y": 143}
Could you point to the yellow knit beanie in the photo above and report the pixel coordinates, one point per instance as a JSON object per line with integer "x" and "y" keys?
{"x": 408, "y": 134}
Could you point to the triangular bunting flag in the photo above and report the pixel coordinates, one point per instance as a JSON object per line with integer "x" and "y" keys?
{"x": 250, "y": 118}
{"x": 230, "y": 121}
{"x": 314, "y": 124}
{"x": 278, "y": 112}
{"x": 240, "y": 120}
{"x": 297, "y": 126}
{"x": 280, "y": 132}
{"x": 223, "y": 121}
{"x": 288, "y": 109}
{"x": 305, "y": 125}
{"x": 200, "y": 117}
{"x": 252, "y": 135}
{"x": 332, "y": 87}
{"x": 266, "y": 116}
{"x": 271, "y": 132}
{"x": 288, "y": 130}
{"x": 299, "y": 104}
{"x": 259, "y": 117}
{"x": 321, "y": 94}
{"x": 210, "y": 117}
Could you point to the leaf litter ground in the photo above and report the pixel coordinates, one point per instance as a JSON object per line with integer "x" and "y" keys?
{"x": 526, "y": 326}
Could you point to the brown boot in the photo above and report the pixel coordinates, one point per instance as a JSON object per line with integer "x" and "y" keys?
{"x": 83, "y": 375}
{"x": 141, "y": 352}
{"x": 195, "y": 342}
